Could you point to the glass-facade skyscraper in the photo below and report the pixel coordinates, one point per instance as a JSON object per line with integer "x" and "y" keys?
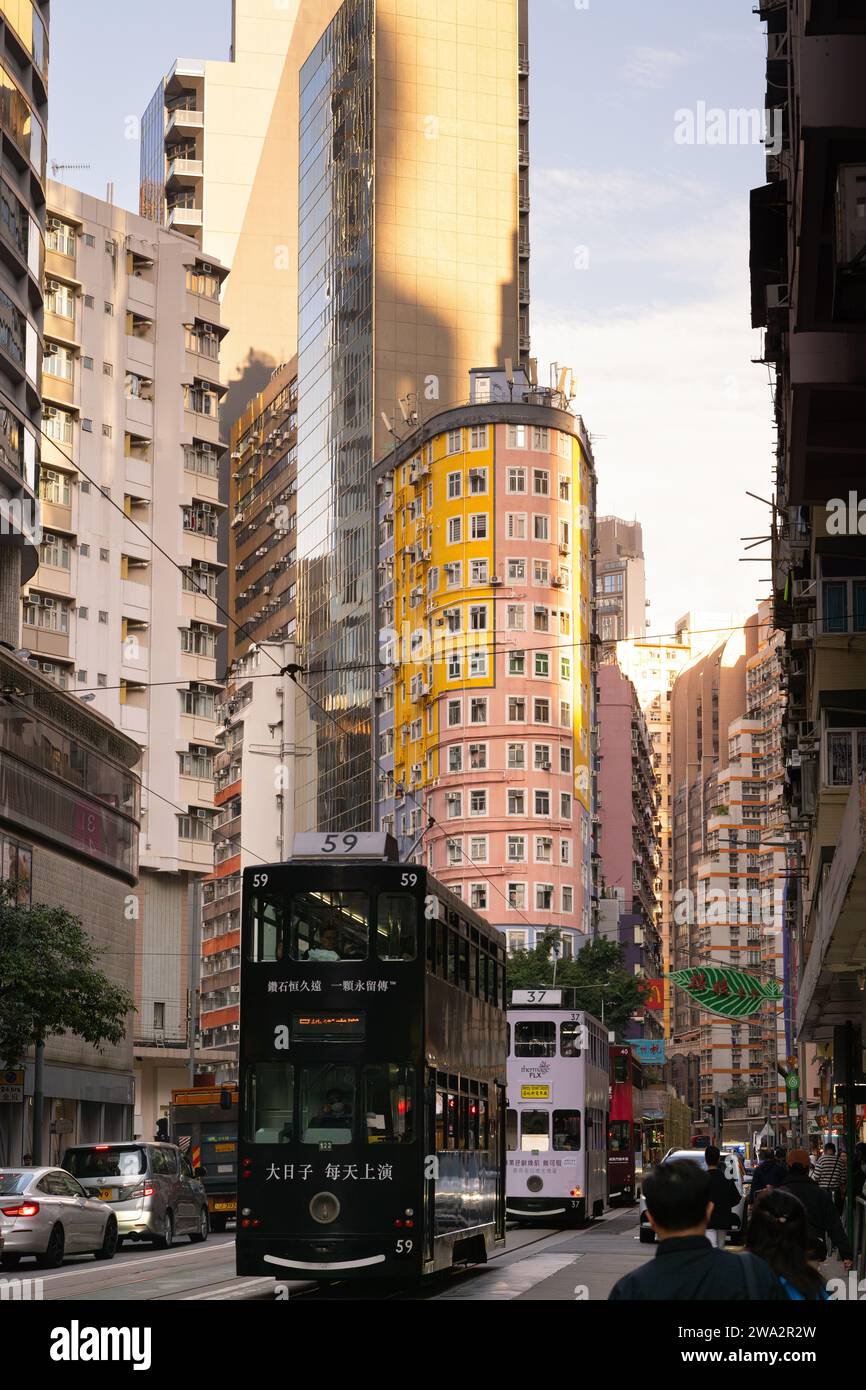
{"x": 411, "y": 271}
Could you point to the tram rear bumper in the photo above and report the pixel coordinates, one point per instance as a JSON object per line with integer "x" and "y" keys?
{"x": 345, "y": 1257}
{"x": 546, "y": 1210}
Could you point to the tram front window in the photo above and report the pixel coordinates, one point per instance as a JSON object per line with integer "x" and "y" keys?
{"x": 389, "y": 1105}
{"x": 268, "y": 921}
{"x": 619, "y": 1137}
{"x": 535, "y": 1038}
{"x": 270, "y": 1103}
{"x": 569, "y": 1039}
{"x": 327, "y": 1104}
{"x": 329, "y": 927}
{"x": 535, "y": 1134}
{"x": 566, "y": 1130}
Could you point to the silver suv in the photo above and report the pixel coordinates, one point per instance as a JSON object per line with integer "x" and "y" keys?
{"x": 151, "y": 1189}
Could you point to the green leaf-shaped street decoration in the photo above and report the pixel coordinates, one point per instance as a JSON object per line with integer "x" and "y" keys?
{"x": 722, "y": 990}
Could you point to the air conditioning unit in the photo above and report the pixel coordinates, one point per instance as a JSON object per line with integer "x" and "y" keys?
{"x": 556, "y": 581}
{"x": 47, "y": 667}
{"x": 48, "y": 602}
{"x": 199, "y": 688}
{"x": 201, "y": 813}
{"x": 563, "y": 549}
{"x": 495, "y": 581}
{"x": 52, "y": 285}
{"x": 50, "y": 412}
{"x": 778, "y": 297}
{"x": 54, "y": 224}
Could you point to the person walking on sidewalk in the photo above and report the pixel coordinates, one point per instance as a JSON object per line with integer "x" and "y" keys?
{"x": 821, "y": 1212}
{"x": 831, "y": 1174}
{"x": 724, "y": 1195}
{"x": 686, "y": 1267}
{"x": 779, "y": 1233}
{"x": 770, "y": 1172}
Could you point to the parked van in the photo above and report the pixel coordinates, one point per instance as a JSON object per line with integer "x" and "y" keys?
{"x": 151, "y": 1188}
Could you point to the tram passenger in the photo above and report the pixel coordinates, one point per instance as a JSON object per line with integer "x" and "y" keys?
{"x": 326, "y": 947}
{"x": 336, "y": 1113}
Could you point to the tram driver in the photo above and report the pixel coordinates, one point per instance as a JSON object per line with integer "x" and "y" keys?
{"x": 326, "y": 947}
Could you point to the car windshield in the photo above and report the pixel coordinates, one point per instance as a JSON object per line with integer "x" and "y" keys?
{"x": 14, "y": 1182}
{"x": 105, "y": 1163}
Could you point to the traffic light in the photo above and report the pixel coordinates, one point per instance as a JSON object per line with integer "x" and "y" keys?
{"x": 715, "y": 1116}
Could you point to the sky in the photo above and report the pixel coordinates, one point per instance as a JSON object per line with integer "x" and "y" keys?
{"x": 640, "y": 181}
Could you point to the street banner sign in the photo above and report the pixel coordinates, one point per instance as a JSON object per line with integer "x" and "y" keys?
{"x": 11, "y": 1086}
{"x": 723, "y": 990}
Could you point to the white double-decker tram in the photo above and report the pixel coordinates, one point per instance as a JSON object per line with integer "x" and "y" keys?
{"x": 558, "y": 1099}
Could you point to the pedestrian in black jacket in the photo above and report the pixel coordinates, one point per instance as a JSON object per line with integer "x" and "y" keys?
{"x": 770, "y": 1172}
{"x": 686, "y": 1267}
{"x": 820, "y": 1208}
{"x": 724, "y": 1195}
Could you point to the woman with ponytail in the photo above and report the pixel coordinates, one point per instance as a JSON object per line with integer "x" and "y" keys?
{"x": 778, "y": 1232}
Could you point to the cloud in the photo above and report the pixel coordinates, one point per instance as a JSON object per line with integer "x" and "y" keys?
{"x": 651, "y": 68}
{"x": 683, "y": 423}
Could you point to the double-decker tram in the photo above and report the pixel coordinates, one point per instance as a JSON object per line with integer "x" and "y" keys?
{"x": 625, "y": 1127}
{"x": 558, "y": 1091}
{"x": 372, "y": 1068}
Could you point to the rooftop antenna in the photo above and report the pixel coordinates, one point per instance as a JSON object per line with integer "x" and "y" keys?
{"x": 509, "y": 377}
{"x": 532, "y": 368}
{"x": 63, "y": 168}
{"x": 408, "y": 411}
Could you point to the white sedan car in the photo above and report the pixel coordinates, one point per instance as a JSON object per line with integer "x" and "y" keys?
{"x": 46, "y": 1213}
{"x": 731, "y": 1168}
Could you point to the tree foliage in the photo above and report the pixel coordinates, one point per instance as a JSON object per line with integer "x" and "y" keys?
{"x": 50, "y": 982}
{"x": 597, "y": 971}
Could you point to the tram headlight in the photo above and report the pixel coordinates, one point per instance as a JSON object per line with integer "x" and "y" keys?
{"x": 534, "y": 1184}
{"x": 324, "y": 1208}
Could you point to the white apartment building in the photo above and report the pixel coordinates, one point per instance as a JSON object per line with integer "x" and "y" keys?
{"x": 129, "y": 463}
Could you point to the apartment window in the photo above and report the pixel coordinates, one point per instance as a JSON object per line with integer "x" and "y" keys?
{"x": 455, "y": 441}
{"x": 479, "y": 572}
{"x": 541, "y": 572}
{"x": 542, "y": 664}
{"x": 515, "y": 480}
{"x": 478, "y": 848}
{"x": 84, "y": 549}
{"x": 843, "y": 605}
{"x": 478, "y": 896}
{"x": 567, "y": 898}
{"x": 541, "y": 711}
{"x": 55, "y": 551}
{"x": 542, "y": 803}
{"x": 541, "y": 528}
{"x": 104, "y": 553}
{"x": 516, "y": 709}
{"x": 478, "y": 710}
{"x": 540, "y": 438}
{"x": 541, "y": 757}
{"x": 516, "y": 894}
{"x": 565, "y": 851}
{"x": 109, "y": 308}
{"x": 565, "y": 623}
{"x": 454, "y": 803}
{"x": 478, "y": 663}
{"x": 454, "y": 575}
{"x": 477, "y": 482}
{"x": 455, "y": 530}
{"x": 46, "y": 612}
{"x": 478, "y": 757}
{"x": 565, "y": 759}
{"x": 565, "y": 805}
{"x": 543, "y": 849}
{"x": 198, "y": 642}
{"x": 455, "y": 485}
{"x": 516, "y": 436}
{"x": 478, "y": 801}
{"x": 455, "y": 713}
{"x": 564, "y": 533}
{"x": 454, "y": 848}
{"x": 87, "y": 363}
{"x": 565, "y": 712}
{"x": 478, "y": 439}
{"x": 201, "y": 399}
{"x": 103, "y": 616}
{"x": 201, "y": 518}
{"x": 59, "y": 300}
{"x": 517, "y": 663}
{"x": 478, "y": 526}
{"x": 565, "y": 668}
{"x": 57, "y": 424}
{"x": 196, "y": 765}
{"x": 516, "y": 802}
{"x": 58, "y": 362}
{"x": 81, "y": 677}
{"x": 516, "y": 571}
{"x": 196, "y": 827}
{"x": 541, "y": 619}
{"x": 564, "y": 488}
{"x": 515, "y": 617}
{"x": 201, "y": 458}
{"x": 199, "y": 581}
{"x": 515, "y": 849}
{"x": 840, "y": 753}
{"x": 138, "y": 387}
{"x": 199, "y": 703}
{"x": 517, "y": 756}
{"x": 87, "y": 426}
{"x": 455, "y": 666}
{"x": 515, "y": 526}
{"x": 455, "y": 758}
{"x": 84, "y": 613}
{"x": 544, "y": 897}
{"x": 55, "y": 487}
{"x": 478, "y": 617}
{"x": 541, "y": 482}
{"x": 433, "y": 580}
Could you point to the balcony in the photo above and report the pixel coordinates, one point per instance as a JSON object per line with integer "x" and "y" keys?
{"x": 179, "y": 169}
{"x": 183, "y": 119}
{"x": 179, "y": 218}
